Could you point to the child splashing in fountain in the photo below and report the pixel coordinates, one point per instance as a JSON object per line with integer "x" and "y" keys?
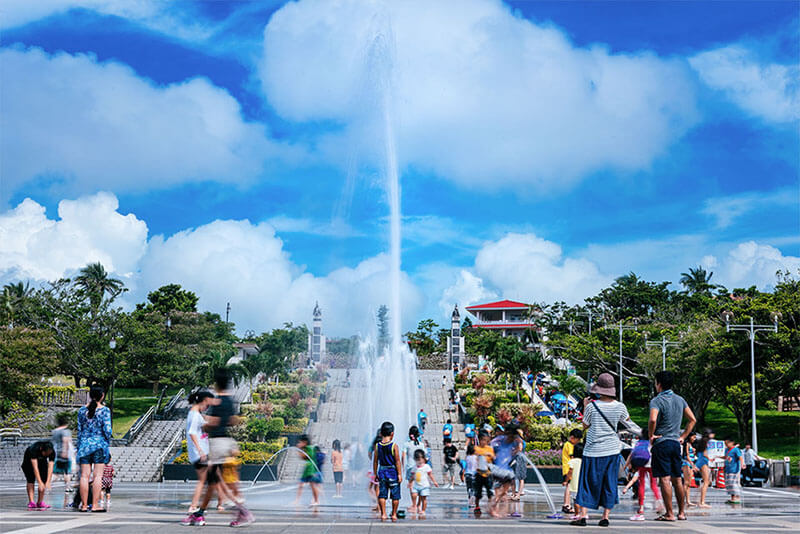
{"x": 387, "y": 465}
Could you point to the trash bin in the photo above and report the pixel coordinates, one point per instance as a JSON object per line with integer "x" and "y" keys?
{"x": 779, "y": 473}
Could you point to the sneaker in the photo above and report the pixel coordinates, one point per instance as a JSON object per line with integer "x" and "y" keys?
{"x": 43, "y": 506}
{"x": 194, "y": 520}
{"x": 242, "y": 520}
{"x": 603, "y": 523}
{"x": 581, "y": 522}
{"x": 637, "y": 517}
{"x": 32, "y": 506}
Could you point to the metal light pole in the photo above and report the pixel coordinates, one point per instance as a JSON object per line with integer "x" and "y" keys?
{"x": 663, "y": 344}
{"x": 751, "y": 330}
{"x": 621, "y": 328}
{"x": 113, "y": 345}
{"x": 590, "y": 314}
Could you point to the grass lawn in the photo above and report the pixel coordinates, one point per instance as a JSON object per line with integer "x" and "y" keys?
{"x": 130, "y": 403}
{"x": 778, "y": 432}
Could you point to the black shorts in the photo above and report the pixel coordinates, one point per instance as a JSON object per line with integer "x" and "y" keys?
{"x": 479, "y": 484}
{"x": 338, "y": 476}
{"x": 665, "y": 459}
{"x": 30, "y": 476}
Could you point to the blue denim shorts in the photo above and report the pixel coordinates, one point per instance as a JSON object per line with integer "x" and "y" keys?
{"x": 389, "y": 487}
{"x": 99, "y": 456}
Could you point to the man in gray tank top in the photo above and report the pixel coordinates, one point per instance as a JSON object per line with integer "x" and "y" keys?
{"x": 667, "y": 411}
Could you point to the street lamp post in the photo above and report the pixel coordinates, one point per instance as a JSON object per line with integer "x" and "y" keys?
{"x": 113, "y": 345}
{"x": 663, "y": 344}
{"x": 621, "y": 328}
{"x": 751, "y": 330}
{"x": 590, "y": 314}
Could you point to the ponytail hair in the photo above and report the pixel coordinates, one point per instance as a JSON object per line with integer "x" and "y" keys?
{"x": 96, "y": 394}
{"x": 199, "y": 396}
{"x": 413, "y": 433}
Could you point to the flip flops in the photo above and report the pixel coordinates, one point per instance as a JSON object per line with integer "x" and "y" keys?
{"x": 664, "y": 518}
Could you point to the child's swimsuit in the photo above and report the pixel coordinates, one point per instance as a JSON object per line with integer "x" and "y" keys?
{"x": 701, "y": 460}
{"x": 387, "y": 464}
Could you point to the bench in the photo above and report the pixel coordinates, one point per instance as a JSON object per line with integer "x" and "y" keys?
{"x": 10, "y": 434}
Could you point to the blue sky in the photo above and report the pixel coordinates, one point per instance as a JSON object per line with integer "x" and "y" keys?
{"x": 545, "y": 148}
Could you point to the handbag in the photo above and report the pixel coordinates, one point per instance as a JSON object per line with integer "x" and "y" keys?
{"x": 622, "y": 426}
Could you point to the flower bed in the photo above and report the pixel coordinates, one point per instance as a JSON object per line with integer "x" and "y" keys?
{"x": 249, "y": 452}
{"x": 545, "y": 457}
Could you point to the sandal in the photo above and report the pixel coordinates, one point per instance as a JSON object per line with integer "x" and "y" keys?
{"x": 663, "y": 518}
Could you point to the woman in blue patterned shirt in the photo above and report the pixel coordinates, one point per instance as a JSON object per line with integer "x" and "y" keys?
{"x": 94, "y": 436}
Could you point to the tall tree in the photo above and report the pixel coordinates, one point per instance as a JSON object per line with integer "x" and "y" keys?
{"x": 697, "y": 280}
{"x": 170, "y": 298}
{"x": 26, "y": 356}
{"x": 95, "y": 282}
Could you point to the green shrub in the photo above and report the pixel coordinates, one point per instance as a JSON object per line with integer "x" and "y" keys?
{"x": 257, "y": 428}
{"x": 274, "y": 427}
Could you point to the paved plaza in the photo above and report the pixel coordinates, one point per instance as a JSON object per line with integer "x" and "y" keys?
{"x": 151, "y": 508}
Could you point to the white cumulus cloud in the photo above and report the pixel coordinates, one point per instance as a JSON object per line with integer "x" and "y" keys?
{"x": 770, "y": 91}
{"x": 87, "y": 230}
{"x": 530, "y": 269}
{"x": 752, "y": 263}
{"x": 88, "y": 125}
{"x": 482, "y": 96}
{"x": 222, "y": 261}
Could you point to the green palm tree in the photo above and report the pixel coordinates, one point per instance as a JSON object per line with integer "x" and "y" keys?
{"x": 12, "y": 299}
{"x": 697, "y": 280}
{"x": 95, "y": 282}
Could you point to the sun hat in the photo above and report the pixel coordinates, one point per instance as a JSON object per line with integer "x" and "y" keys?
{"x": 604, "y": 385}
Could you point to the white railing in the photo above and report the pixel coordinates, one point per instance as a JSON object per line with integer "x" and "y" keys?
{"x": 138, "y": 426}
{"x": 162, "y": 458}
{"x": 173, "y": 401}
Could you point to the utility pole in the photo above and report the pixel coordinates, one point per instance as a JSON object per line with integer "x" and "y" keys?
{"x": 663, "y": 344}
{"x": 227, "y": 312}
{"x": 621, "y": 328}
{"x": 751, "y": 330}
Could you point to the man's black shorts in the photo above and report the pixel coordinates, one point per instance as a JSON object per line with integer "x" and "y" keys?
{"x": 666, "y": 459}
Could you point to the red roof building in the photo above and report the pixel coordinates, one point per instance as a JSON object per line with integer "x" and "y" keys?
{"x": 509, "y": 317}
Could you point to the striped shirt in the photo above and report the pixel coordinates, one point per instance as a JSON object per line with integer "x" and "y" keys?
{"x": 601, "y": 438}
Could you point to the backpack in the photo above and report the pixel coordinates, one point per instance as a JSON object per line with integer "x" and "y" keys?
{"x": 640, "y": 455}
{"x": 319, "y": 458}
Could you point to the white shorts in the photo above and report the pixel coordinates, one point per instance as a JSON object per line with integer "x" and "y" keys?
{"x": 220, "y": 449}
{"x": 422, "y": 491}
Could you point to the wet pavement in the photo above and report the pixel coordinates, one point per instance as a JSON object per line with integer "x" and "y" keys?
{"x": 146, "y": 508}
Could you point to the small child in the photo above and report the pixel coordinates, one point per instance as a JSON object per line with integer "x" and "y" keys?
{"x": 386, "y": 465}
{"x": 484, "y": 454}
{"x": 423, "y": 476}
{"x": 639, "y": 463}
{"x": 107, "y": 482}
{"x": 734, "y": 463}
{"x": 566, "y": 455}
{"x": 470, "y": 471}
{"x": 572, "y": 478}
{"x": 230, "y": 475}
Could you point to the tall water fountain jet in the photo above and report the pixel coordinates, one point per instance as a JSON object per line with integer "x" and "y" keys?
{"x": 391, "y": 375}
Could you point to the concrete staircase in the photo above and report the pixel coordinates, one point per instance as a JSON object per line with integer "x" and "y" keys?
{"x": 158, "y": 433}
{"x": 337, "y": 420}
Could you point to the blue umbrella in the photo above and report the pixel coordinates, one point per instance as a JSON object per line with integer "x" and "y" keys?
{"x": 558, "y": 397}
{"x": 544, "y": 413}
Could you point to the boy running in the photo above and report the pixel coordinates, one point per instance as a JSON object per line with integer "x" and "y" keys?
{"x": 221, "y": 446}
{"x": 483, "y": 473}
